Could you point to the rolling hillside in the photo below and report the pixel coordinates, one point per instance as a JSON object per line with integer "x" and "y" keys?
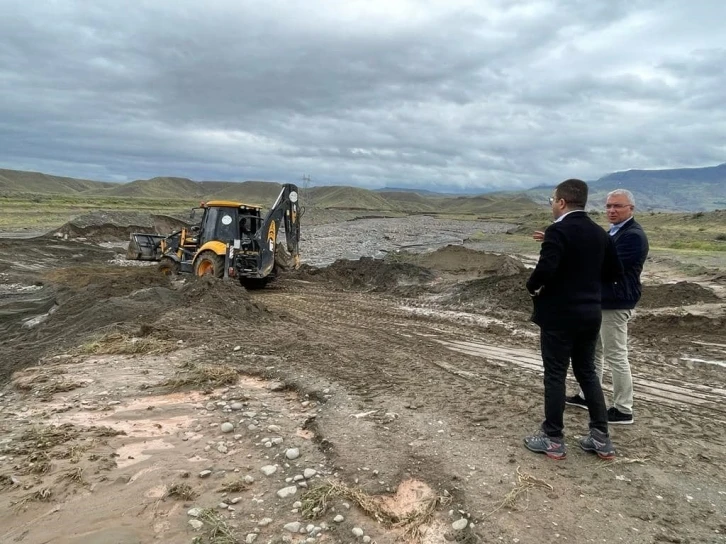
{"x": 18, "y": 181}
{"x": 681, "y": 189}
{"x": 160, "y": 187}
{"x": 260, "y": 193}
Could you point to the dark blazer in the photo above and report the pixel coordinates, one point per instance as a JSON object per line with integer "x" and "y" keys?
{"x": 632, "y": 246}
{"x": 576, "y": 258}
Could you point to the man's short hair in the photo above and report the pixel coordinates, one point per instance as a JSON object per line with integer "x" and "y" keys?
{"x": 574, "y": 192}
{"x": 623, "y": 192}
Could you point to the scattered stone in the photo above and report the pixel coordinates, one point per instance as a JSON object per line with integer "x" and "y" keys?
{"x": 366, "y": 539}
{"x": 205, "y": 473}
{"x": 297, "y": 504}
{"x": 223, "y": 505}
{"x": 309, "y": 473}
{"x": 357, "y": 531}
{"x": 249, "y": 479}
{"x": 298, "y": 478}
{"x": 293, "y": 527}
{"x": 237, "y": 406}
{"x": 196, "y": 524}
{"x": 235, "y": 500}
{"x": 222, "y": 448}
{"x": 292, "y": 453}
{"x": 338, "y": 519}
{"x": 249, "y": 414}
{"x": 226, "y": 427}
{"x": 252, "y": 427}
{"x": 277, "y": 440}
{"x": 269, "y": 470}
{"x": 264, "y": 522}
{"x": 211, "y": 406}
{"x": 237, "y": 348}
{"x": 286, "y": 492}
{"x": 460, "y": 524}
{"x": 194, "y": 512}
{"x": 251, "y": 537}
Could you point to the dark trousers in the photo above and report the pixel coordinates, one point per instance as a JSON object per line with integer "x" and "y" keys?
{"x": 558, "y": 348}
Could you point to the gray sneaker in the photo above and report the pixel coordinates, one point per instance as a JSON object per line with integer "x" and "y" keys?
{"x": 552, "y": 447}
{"x": 598, "y": 442}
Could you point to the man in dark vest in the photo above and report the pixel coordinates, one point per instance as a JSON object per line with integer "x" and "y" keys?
{"x": 618, "y": 306}
{"x": 576, "y": 257}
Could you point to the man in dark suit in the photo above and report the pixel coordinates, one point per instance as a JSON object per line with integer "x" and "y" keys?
{"x": 576, "y": 257}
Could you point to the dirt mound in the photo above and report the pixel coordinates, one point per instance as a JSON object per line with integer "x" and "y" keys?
{"x": 367, "y": 274}
{"x": 116, "y": 226}
{"x": 675, "y": 294}
{"x": 656, "y": 327}
{"x": 454, "y": 259}
{"x": 506, "y": 292}
{"x": 94, "y": 300}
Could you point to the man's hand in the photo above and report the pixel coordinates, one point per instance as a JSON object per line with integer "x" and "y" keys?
{"x": 538, "y": 235}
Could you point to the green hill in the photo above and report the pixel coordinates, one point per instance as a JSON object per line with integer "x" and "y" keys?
{"x": 260, "y": 193}
{"x": 349, "y": 198}
{"x": 159, "y": 187}
{"x": 18, "y": 181}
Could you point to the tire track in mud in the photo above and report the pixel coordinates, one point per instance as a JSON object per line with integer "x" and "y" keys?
{"x": 424, "y": 344}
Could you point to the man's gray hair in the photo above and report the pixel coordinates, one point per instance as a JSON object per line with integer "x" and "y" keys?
{"x": 624, "y": 192}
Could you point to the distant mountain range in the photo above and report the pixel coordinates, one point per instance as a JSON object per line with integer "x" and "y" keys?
{"x": 683, "y": 189}
{"x": 680, "y": 189}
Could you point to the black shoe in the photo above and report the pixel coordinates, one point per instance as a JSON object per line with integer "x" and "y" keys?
{"x": 616, "y": 417}
{"x": 598, "y": 442}
{"x": 576, "y": 400}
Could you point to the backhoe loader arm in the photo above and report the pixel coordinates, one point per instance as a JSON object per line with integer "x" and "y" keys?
{"x": 286, "y": 210}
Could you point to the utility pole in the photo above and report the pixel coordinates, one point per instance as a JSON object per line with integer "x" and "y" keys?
{"x": 306, "y": 179}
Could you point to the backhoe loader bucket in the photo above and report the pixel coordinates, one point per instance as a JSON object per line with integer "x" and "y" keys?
{"x": 144, "y": 247}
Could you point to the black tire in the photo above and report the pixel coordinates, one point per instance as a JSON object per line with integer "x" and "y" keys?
{"x": 209, "y": 263}
{"x": 252, "y": 284}
{"x": 168, "y": 266}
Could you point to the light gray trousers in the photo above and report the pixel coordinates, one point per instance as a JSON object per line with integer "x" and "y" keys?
{"x": 612, "y": 351}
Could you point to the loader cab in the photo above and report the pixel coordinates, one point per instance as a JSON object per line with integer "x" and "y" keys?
{"x": 227, "y": 221}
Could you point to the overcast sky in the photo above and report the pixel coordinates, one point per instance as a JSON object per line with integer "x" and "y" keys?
{"x": 429, "y": 93}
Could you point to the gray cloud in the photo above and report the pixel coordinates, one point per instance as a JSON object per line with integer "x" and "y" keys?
{"x": 464, "y": 94}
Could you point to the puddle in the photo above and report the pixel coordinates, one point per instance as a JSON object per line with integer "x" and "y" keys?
{"x": 704, "y": 361}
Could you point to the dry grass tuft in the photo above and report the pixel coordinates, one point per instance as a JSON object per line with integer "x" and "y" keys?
{"x": 45, "y": 438}
{"x": 118, "y": 343}
{"x": 40, "y": 495}
{"x": 525, "y": 483}
{"x": 234, "y": 487}
{"x": 204, "y": 376}
{"x": 623, "y": 461}
{"x": 74, "y": 475}
{"x": 216, "y": 527}
{"x": 317, "y": 500}
{"x": 181, "y": 491}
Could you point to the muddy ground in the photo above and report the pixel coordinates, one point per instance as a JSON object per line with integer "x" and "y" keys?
{"x": 359, "y": 400}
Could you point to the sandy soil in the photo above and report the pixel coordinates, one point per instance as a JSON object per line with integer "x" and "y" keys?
{"x": 404, "y": 387}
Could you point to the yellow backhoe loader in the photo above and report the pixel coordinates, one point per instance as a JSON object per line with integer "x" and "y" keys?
{"x": 229, "y": 239}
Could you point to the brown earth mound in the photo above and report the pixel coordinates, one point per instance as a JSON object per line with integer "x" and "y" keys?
{"x": 107, "y": 226}
{"x": 505, "y": 292}
{"x": 367, "y": 274}
{"x": 93, "y": 300}
{"x": 657, "y": 327}
{"x": 454, "y": 259}
{"x": 677, "y": 294}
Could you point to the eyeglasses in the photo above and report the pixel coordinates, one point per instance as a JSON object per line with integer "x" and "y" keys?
{"x": 617, "y": 206}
